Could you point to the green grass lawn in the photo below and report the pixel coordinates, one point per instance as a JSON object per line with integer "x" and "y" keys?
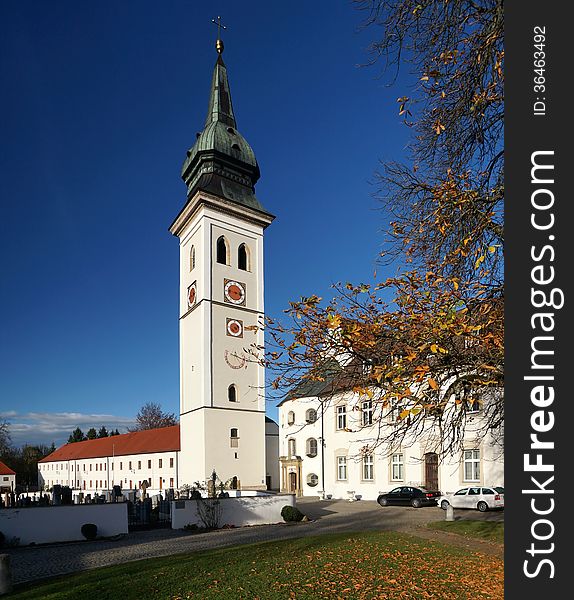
{"x": 347, "y": 566}
{"x": 484, "y": 530}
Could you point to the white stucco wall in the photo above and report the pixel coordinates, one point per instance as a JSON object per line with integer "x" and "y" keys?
{"x": 8, "y": 481}
{"x": 251, "y": 510}
{"x": 349, "y": 444}
{"x": 42, "y": 525}
{"x": 272, "y": 453}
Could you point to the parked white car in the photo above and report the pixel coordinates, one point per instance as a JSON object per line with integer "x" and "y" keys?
{"x": 480, "y": 498}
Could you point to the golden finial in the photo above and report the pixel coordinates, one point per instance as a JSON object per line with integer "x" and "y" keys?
{"x": 218, "y": 41}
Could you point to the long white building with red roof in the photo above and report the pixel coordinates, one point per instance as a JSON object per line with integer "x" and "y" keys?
{"x": 128, "y": 460}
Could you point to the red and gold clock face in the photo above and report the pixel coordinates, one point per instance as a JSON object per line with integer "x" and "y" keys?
{"x": 192, "y": 294}
{"x": 234, "y": 292}
{"x": 234, "y": 328}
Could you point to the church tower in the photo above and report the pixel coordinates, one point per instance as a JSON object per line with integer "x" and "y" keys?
{"x": 220, "y": 230}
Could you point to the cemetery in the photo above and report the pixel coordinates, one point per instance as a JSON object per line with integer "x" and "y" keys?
{"x": 60, "y": 515}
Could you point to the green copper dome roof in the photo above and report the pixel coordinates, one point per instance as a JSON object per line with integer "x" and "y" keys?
{"x": 221, "y": 161}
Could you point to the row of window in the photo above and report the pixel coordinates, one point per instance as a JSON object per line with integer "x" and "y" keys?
{"x": 104, "y": 484}
{"x": 310, "y": 447}
{"x": 472, "y": 406}
{"x": 223, "y": 255}
{"x": 102, "y": 466}
{"x": 367, "y": 467}
{"x": 310, "y": 416}
{"x": 341, "y": 415}
{"x": 471, "y": 460}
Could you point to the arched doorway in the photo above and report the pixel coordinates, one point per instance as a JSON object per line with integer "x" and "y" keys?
{"x": 431, "y": 471}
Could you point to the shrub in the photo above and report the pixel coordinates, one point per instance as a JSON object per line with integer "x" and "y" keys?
{"x": 89, "y": 531}
{"x": 291, "y": 513}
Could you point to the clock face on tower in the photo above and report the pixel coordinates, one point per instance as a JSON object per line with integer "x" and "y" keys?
{"x": 234, "y": 292}
{"x": 234, "y": 328}
{"x": 192, "y": 294}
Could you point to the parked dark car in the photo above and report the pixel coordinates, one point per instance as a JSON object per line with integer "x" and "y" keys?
{"x": 409, "y": 496}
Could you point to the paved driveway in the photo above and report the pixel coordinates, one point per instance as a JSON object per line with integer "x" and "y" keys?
{"x": 368, "y": 515}
{"x": 331, "y": 516}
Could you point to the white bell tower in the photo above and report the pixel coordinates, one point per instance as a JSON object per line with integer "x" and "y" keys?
{"x": 220, "y": 229}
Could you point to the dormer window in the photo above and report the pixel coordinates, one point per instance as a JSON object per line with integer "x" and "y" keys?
{"x": 236, "y": 147}
{"x": 231, "y": 130}
{"x": 222, "y": 251}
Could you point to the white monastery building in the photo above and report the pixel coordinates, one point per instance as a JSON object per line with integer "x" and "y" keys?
{"x": 334, "y": 445}
{"x": 223, "y": 426}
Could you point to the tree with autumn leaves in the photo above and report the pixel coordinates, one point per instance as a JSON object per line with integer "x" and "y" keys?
{"x": 425, "y": 346}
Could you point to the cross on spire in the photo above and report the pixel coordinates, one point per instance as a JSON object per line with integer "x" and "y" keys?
{"x": 219, "y": 41}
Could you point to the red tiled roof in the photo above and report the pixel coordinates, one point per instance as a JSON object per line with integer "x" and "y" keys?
{"x": 165, "y": 439}
{"x": 6, "y": 470}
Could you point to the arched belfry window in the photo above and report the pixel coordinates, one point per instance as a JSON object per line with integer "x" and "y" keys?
{"x": 192, "y": 258}
{"x": 243, "y": 257}
{"x": 232, "y": 393}
{"x": 222, "y": 251}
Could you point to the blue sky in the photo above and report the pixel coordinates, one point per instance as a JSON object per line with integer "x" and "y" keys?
{"x": 99, "y": 103}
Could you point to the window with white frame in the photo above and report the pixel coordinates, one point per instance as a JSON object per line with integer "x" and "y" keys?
{"x": 234, "y": 437}
{"x": 291, "y": 447}
{"x": 472, "y": 465}
{"x": 397, "y": 467}
{"x": 367, "y": 410}
{"x": 396, "y": 408}
{"x": 368, "y": 467}
{"x": 290, "y": 417}
{"x": 311, "y": 447}
{"x": 367, "y": 367}
{"x": 342, "y": 416}
{"x": 311, "y": 415}
{"x": 341, "y": 468}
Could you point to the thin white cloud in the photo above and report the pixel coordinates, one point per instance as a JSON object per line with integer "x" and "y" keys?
{"x": 44, "y": 428}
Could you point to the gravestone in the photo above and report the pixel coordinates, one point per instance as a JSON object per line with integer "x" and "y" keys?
{"x": 449, "y": 513}
{"x": 57, "y": 495}
{"x": 5, "y": 574}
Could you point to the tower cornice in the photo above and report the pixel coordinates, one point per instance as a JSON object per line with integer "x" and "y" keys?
{"x": 227, "y": 207}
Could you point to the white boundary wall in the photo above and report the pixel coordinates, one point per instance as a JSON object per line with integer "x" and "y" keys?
{"x": 43, "y": 525}
{"x": 240, "y": 511}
